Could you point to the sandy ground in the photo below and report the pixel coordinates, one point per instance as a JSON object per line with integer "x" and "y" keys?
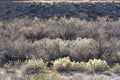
{"x": 18, "y": 75}
{"x": 10, "y": 74}
{"x": 91, "y": 76}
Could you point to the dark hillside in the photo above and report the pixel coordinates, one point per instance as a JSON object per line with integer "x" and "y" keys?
{"x": 87, "y": 11}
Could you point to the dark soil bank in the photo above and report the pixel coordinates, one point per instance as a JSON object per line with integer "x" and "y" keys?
{"x": 87, "y": 11}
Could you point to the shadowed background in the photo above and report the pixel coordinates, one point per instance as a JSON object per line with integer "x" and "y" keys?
{"x": 10, "y": 10}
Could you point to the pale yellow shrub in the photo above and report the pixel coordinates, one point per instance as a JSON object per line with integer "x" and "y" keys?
{"x": 65, "y": 64}
{"x": 62, "y": 64}
{"x": 96, "y": 65}
{"x": 33, "y": 66}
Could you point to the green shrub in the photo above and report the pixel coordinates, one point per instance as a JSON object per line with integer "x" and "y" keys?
{"x": 115, "y": 68}
{"x": 34, "y": 66}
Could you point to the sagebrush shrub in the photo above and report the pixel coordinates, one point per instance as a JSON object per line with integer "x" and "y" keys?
{"x": 25, "y": 38}
{"x": 115, "y": 68}
{"x": 65, "y": 64}
{"x": 97, "y": 65}
{"x": 83, "y": 49}
{"x": 33, "y": 66}
{"x": 62, "y": 64}
{"x": 79, "y": 49}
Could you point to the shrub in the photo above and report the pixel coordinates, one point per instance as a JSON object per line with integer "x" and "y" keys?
{"x": 82, "y": 49}
{"x": 79, "y": 49}
{"x": 81, "y": 40}
{"x": 97, "y": 65}
{"x": 33, "y": 66}
{"x": 65, "y": 64}
{"x": 15, "y": 64}
{"x": 115, "y": 68}
{"x": 62, "y": 64}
